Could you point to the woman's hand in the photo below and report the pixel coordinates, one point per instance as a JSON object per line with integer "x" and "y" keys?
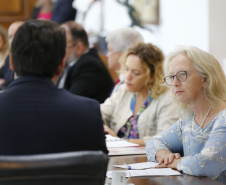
{"x": 166, "y": 158}
{"x": 2, "y": 81}
{"x": 107, "y": 130}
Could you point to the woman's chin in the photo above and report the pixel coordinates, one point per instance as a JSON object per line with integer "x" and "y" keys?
{"x": 129, "y": 88}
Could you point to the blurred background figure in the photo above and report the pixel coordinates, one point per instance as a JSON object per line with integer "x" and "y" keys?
{"x": 98, "y": 19}
{"x": 4, "y": 51}
{"x": 84, "y": 74}
{"x": 12, "y": 30}
{"x": 4, "y": 45}
{"x": 43, "y": 10}
{"x": 89, "y": 15}
{"x": 118, "y": 43}
{"x": 141, "y": 108}
{"x": 6, "y": 74}
{"x": 63, "y": 11}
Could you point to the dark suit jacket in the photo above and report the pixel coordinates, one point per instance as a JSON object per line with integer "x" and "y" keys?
{"x": 7, "y": 74}
{"x": 63, "y": 11}
{"x": 35, "y": 12}
{"x": 89, "y": 77}
{"x": 37, "y": 117}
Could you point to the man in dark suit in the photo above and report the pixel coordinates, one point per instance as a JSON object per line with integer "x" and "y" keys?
{"x": 63, "y": 11}
{"x": 36, "y": 116}
{"x": 85, "y": 74}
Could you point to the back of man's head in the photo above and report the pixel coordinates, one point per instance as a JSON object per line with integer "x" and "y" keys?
{"x": 123, "y": 38}
{"x": 38, "y": 48}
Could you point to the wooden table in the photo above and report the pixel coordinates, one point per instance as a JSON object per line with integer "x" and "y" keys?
{"x": 157, "y": 180}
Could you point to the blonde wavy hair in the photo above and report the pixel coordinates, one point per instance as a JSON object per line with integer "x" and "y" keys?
{"x": 208, "y": 67}
{"x": 152, "y": 58}
{"x": 6, "y": 48}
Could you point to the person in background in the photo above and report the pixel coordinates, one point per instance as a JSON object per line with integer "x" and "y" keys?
{"x": 63, "y": 11}
{"x": 12, "y": 30}
{"x": 4, "y": 45}
{"x": 43, "y": 10}
{"x": 36, "y": 116}
{"x": 6, "y": 74}
{"x": 4, "y": 51}
{"x": 141, "y": 108}
{"x": 118, "y": 43}
{"x": 195, "y": 144}
{"x": 85, "y": 74}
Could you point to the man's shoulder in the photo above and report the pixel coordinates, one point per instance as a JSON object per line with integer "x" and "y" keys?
{"x": 78, "y": 100}
{"x": 91, "y": 55}
{"x": 74, "y": 97}
{"x": 87, "y": 62}
{"x": 89, "y": 58}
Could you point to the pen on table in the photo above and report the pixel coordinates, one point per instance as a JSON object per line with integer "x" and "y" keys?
{"x": 128, "y": 167}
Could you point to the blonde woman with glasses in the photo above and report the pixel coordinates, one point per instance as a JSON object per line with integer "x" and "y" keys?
{"x": 196, "y": 143}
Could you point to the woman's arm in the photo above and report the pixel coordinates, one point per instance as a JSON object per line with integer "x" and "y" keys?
{"x": 169, "y": 142}
{"x": 107, "y": 130}
{"x": 166, "y": 113}
{"x": 137, "y": 141}
{"x": 107, "y": 108}
{"x": 211, "y": 161}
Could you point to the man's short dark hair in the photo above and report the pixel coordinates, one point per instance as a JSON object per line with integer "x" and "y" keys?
{"x": 38, "y": 48}
{"x": 77, "y": 32}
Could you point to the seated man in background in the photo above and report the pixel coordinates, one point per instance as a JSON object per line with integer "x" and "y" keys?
{"x": 36, "y": 116}
{"x": 6, "y": 74}
{"x": 85, "y": 74}
{"x": 118, "y": 42}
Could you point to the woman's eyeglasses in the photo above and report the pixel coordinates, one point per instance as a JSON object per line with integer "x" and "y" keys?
{"x": 181, "y": 76}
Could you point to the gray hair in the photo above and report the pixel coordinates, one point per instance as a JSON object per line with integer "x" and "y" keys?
{"x": 123, "y": 38}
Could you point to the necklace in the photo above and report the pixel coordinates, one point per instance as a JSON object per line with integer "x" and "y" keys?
{"x": 202, "y": 120}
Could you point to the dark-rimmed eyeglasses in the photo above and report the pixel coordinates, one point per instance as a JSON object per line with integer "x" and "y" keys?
{"x": 72, "y": 45}
{"x": 181, "y": 76}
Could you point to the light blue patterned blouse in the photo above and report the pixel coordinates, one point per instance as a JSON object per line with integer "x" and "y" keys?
{"x": 204, "y": 151}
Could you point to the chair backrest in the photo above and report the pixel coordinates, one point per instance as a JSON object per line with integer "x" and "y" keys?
{"x": 81, "y": 167}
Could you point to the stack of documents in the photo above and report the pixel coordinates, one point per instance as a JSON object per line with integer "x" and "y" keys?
{"x": 138, "y": 166}
{"x": 118, "y": 146}
{"x": 136, "y": 170}
{"x": 117, "y": 142}
{"x": 148, "y": 172}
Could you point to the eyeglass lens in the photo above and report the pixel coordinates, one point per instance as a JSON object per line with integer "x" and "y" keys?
{"x": 181, "y": 76}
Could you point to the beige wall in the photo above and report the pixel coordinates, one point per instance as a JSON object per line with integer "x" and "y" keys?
{"x": 217, "y": 30}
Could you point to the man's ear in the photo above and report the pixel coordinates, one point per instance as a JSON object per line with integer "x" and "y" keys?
{"x": 61, "y": 67}
{"x": 80, "y": 48}
{"x": 11, "y": 61}
{"x": 59, "y": 71}
{"x": 119, "y": 53}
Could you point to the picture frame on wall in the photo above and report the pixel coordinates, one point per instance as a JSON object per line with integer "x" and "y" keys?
{"x": 147, "y": 10}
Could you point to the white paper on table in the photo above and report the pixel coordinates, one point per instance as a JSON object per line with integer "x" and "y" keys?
{"x": 138, "y": 166}
{"x": 126, "y": 150}
{"x": 117, "y": 142}
{"x": 148, "y": 172}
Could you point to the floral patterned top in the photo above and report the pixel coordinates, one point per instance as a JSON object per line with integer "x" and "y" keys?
{"x": 130, "y": 129}
{"x": 204, "y": 151}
